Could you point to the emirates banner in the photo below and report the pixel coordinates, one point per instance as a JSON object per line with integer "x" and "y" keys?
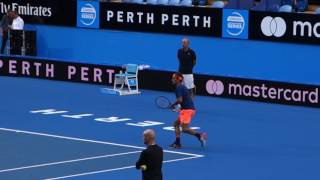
{"x": 51, "y": 12}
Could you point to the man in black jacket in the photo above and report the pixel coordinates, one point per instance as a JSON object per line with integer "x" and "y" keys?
{"x": 150, "y": 161}
{"x": 6, "y": 22}
{"x": 187, "y": 60}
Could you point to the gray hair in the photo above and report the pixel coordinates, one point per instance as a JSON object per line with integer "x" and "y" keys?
{"x": 185, "y": 39}
{"x": 150, "y": 132}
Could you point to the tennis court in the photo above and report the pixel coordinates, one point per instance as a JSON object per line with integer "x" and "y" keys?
{"x": 56, "y": 130}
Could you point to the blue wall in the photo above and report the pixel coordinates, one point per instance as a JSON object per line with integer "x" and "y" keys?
{"x": 226, "y": 57}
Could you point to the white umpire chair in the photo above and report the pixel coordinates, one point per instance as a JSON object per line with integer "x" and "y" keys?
{"x": 129, "y": 78}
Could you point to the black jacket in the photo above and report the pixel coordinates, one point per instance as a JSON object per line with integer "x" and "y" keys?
{"x": 152, "y": 157}
{"x": 187, "y": 60}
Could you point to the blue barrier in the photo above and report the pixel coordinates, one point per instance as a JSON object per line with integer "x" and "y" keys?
{"x": 225, "y": 57}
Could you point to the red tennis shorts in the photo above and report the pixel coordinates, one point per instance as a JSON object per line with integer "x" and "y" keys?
{"x": 186, "y": 115}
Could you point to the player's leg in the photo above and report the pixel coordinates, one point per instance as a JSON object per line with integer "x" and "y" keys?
{"x": 185, "y": 120}
{"x": 187, "y": 130}
{"x": 177, "y": 143}
{"x": 202, "y": 137}
{"x": 177, "y": 131}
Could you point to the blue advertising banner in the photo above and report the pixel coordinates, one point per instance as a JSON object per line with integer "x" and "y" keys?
{"x": 88, "y": 14}
{"x": 235, "y": 24}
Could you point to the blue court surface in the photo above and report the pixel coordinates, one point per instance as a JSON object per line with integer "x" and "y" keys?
{"x": 58, "y": 130}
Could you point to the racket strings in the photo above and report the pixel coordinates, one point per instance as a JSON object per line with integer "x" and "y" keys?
{"x": 163, "y": 102}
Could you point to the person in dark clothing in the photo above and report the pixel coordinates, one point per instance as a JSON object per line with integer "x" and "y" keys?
{"x": 186, "y": 113}
{"x": 150, "y": 161}
{"x": 6, "y": 22}
{"x": 187, "y": 60}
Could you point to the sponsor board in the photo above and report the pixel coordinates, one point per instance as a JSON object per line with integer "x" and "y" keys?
{"x": 211, "y": 22}
{"x": 88, "y": 14}
{"x": 154, "y": 18}
{"x": 235, "y": 24}
{"x": 53, "y": 12}
{"x": 57, "y": 70}
{"x": 215, "y": 86}
{"x": 260, "y": 90}
{"x": 289, "y": 27}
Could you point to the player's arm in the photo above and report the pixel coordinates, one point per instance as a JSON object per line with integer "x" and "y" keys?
{"x": 141, "y": 163}
{"x": 179, "y": 97}
{"x": 178, "y": 101}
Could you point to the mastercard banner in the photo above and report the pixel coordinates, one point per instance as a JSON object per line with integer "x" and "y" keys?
{"x": 287, "y": 27}
{"x": 207, "y": 85}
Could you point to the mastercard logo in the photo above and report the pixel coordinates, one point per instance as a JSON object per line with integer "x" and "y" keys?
{"x": 215, "y": 87}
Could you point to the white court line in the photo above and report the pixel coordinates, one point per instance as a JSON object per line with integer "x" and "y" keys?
{"x": 68, "y": 161}
{"x": 193, "y": 156}
{"x": 115, "y": 169}
{"x": 89, "y": 173}
{"x": 92, "y": 141}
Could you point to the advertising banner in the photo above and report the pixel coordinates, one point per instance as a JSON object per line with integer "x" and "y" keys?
{"x": 50, "y": 12}
{"x": 235, "y": 24}
{"x": 88, "y": 14}
{"x": 259, "y": 90}
{"x": 166, "y": 19}
{"x": 288, "y": 27}
{"x": 207, "y": 85}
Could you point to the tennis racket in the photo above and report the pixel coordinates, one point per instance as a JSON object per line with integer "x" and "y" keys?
{"x": 163, "y": 102}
